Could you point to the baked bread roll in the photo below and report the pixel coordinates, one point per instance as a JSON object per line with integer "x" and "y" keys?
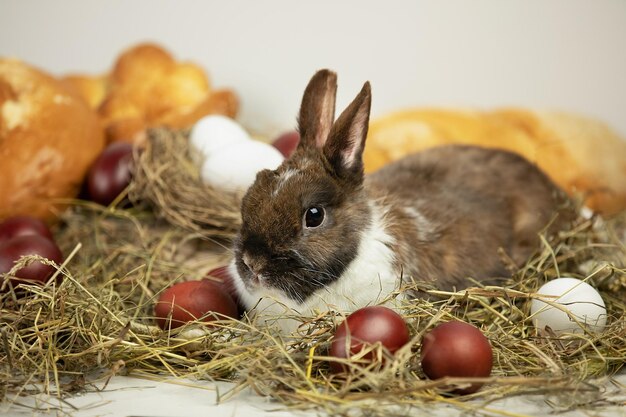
{"x": 92, "y": 89}
{"x": 583, "y": 156}
{"x": 48, "y": 139}
{"x": 146, "y": 88}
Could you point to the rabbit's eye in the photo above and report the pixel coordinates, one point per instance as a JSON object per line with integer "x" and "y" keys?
{"x": 314, "y": 216}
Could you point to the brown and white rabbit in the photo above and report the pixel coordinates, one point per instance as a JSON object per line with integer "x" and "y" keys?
{"x": 318, "y": 234}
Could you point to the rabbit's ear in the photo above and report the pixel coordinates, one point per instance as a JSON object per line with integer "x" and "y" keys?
{"x": 317, "y": 110}
{"x": 344, "y": 147}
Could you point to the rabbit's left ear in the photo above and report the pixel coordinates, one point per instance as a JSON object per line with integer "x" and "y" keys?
{"x": 317, "y": 110}
{"x": 345, "y": 144}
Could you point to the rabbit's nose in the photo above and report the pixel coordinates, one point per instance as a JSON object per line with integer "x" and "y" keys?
{"x": 254, "y": 263}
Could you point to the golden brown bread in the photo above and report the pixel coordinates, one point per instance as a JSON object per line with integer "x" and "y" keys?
{"x": 220, "y": 102}
{"x": 583, "y": 156}
{"x": 48, "y": 138}
{"x": 92, "y": 89}
{"x": 147, "y": 87}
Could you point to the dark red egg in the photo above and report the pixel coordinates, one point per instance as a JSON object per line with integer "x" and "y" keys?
{"x": 111, "y": 173}
{"x": 287, "y": 143}
{"x": 456, "y": 349}
{"x": 23, "y": 226}
{"x": 193, "y": 300}
{"x": 368, "y": 325}
{"x": 13, "y": 249}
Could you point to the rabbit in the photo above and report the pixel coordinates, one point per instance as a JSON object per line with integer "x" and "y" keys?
{"x": 317, "y": 233}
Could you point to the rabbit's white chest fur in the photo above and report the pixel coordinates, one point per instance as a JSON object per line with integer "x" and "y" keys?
{"x": 370, "y": 278}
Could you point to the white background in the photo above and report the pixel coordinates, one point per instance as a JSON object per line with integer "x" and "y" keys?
{"x": 562, "y": 54}
{"x": 565, "y": 54}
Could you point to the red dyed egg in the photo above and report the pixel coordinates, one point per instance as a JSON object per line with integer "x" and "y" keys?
{"x": 368, "y": 325}
{"x": 193, "y": 300}
{"x": 287, "y": 143}
{"x": 111, "y": 173}
{"x": 456, "y": 349}
{"x": 13, "y": 249}
{"x": 23, "y": 226}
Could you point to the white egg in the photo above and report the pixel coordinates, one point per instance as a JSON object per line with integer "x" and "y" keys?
{"x": 578, "y": 298}
{"x": 234, "y": 168}
{"x": 212, "y": 133}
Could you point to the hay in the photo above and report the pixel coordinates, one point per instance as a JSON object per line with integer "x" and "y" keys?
{"x": 166, "y": 177}
{"x": 73, "y": 336}
{"x": 525, "y": 362}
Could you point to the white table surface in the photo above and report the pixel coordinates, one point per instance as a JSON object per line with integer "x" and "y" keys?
{"x": 133, "y": 397}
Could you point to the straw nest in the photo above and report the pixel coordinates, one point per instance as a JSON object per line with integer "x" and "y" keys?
{"x": 168, "y": 179}
{"x": 98, "y": 322}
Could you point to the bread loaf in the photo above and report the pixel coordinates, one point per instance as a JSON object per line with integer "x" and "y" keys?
{"x": 147, "y": 88}
{"x": 583, "y": 156}
{"x": 48, "y": 139}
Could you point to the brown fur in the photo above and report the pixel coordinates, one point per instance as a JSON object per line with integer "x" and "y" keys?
{"x": 477, "y": 202}
{"x": 272, "y": 243}
{"x": 449, "y": 210}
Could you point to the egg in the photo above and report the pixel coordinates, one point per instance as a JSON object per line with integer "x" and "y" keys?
{"x": 287, "y": 143}
{"x": 36, "y": 272}
{"x": 212, "y": 133}
{"x": 23, "y": 226}
{"x": 456, "y": 349}
{"x": 234, "y": 168}
{"x": 577, "y": 297}
{"x": 368, "y": 325}
{"x": 193, "y": 300}
{"x": 111, "y": 173}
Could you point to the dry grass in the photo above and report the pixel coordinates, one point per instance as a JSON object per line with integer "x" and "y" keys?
{"x": 167, "y": 178}
{"x": 98, "y": 322}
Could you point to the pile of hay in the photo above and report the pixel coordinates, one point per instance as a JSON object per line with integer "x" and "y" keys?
{"x": 169, "y": 180}
{"x": 98, "y": 321}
